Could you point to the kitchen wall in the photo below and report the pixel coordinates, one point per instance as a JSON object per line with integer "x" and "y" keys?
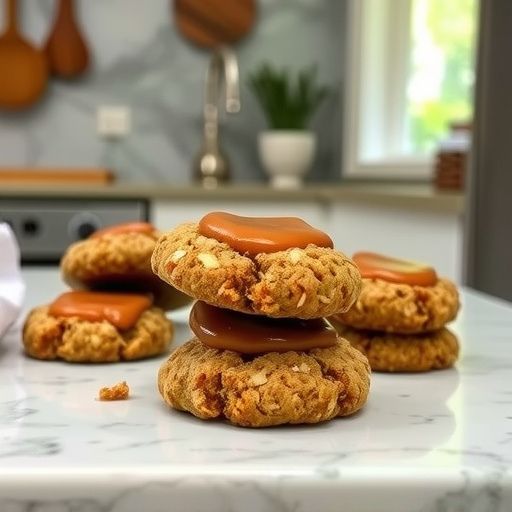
{"x": 140, "y": 60}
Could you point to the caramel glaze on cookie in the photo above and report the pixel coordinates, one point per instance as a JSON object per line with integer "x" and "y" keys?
{"x": 377, "y": 266}
{"x": 255, "y": 235}
{"x": 250, "y": 334}
{"x": 120, "y": 309}
{"x": 308, "y": 282}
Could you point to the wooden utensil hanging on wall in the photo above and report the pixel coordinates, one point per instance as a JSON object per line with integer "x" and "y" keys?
{"x": 23, "y": 68}
{"x": 66, "y": 50}
{"x": 211, "y": 23}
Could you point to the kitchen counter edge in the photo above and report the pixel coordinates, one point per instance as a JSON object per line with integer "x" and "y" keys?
{"x": 417, "y": 196}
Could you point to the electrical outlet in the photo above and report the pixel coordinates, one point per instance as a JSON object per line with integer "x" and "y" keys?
{"x": 113, "y": 121}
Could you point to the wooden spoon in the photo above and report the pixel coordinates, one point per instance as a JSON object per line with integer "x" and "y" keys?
{"x": 66, "y": 50}
{"x": 212, "y": 23}
{"x": 23, "y": 68}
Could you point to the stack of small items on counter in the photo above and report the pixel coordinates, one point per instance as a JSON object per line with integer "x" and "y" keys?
{"x": 452, "y": 157}
{"x": 115, "y": 311}
{"x": 399, "y": 319}
{"x": 262, "y": 354}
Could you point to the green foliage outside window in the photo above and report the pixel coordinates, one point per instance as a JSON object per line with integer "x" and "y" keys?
{"x": 450, "y": 32}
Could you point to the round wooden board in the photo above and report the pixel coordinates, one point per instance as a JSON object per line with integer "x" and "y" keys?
{"x": 211, "y": 23}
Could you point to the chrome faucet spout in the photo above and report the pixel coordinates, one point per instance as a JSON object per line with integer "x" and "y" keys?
{"x": 223, "y": 64}
{"x": 212, "y": 167}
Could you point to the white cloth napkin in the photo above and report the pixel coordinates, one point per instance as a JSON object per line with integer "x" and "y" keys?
{"x": 12, "y": 288}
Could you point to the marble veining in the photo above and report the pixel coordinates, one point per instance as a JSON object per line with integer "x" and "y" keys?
{"x": 430, "y": 442}
{"x": 13, "y": 410}
{"x": 29, "y": 446}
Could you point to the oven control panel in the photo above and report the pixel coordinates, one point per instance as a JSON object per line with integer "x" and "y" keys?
{"x": 46, "y": 227}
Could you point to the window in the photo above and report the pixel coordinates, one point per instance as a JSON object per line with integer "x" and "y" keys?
{"x": 410, "y": 75}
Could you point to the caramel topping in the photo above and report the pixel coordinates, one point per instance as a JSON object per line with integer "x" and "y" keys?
{"x": 121, "y": 310}
{"x": 261, "y": 234}
{"x": 127, "y": 227}
{"x": 250, "y": 334}
{"x": 376, "y": 266}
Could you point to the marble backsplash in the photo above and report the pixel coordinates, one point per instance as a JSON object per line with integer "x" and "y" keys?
{"x": 140, "y": 60}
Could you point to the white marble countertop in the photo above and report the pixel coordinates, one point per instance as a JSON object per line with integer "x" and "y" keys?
{"x": 430, "y": 442}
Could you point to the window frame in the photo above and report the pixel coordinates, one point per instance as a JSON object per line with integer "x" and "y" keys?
{"x": 374, "y": 97}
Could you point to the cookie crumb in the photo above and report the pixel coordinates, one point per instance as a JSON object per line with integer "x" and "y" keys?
{"x": 120, "y": 391}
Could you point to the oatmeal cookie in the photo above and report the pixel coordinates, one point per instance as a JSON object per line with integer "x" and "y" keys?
{"x": 81, "y": 341}
{"x": 265, "y": 390}
{"x": 300, "y": 283}
{"x": 118, "y": 262}
{"x": 388, "y": 352}
{"x": 402, "y": 308}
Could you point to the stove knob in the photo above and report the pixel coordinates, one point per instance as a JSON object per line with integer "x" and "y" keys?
{"x": 85, "y": 230}
{"x": 82, "y": 225}
{"x": 30, "y": 227}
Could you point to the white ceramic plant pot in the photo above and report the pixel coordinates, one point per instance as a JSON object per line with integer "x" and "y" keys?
{"x": 286, "y": 156}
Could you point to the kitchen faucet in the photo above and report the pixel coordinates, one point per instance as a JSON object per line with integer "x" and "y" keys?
{"x": 211, "y": 166}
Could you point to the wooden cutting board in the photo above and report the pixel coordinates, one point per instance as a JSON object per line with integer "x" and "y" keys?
{"x": 212, "y": 23}
{"x": 62, "y": 175}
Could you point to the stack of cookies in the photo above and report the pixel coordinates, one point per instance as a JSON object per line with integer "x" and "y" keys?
{"x": 116, "y": 311}
{"x": 399, "y": 319}
{"x": 262, "y": 353}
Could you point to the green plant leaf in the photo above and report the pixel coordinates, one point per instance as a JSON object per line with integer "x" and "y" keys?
{"x": 288, "y": 102}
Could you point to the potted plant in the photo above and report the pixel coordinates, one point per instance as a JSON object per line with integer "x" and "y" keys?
{"x": 288, "y": 147}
